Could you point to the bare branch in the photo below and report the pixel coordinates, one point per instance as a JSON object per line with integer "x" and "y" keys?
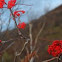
{"x": 50, "y": 59}
{"x": 19, "y": 32}
{"x": 30, "y": 34}
{"x": 23, "y": 4}
{"x": 8, "y": 47}
{"x": 25, "y": 44}
{"x": 36, "y": 39}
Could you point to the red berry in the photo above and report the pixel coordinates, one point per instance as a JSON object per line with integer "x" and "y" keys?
{"x": 11, "y": 3}
{"x": 21, "y": 25}
{"x": 22, "y": 11}
{"x": 2, "y": 2}
{"x": 0, "y": 41}
{"x": 16, "y": 13}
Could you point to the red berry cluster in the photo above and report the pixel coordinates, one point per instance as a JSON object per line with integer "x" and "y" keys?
{"x": 16, "y": 13}
{"x": 21, "y": 25}
{"x": 2, "y": 2}
{"x": 56, "y": 48}
{"x": 11, "y": 3}
{"x": 0, "y": 42}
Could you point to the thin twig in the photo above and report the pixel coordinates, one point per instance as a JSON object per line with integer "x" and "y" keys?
{"x": 36, "y": 39}
{"x": 19, "y": 32}
{"x": 30, "y": 34}
{"x": 23, "y": 4}
{"x": 17, "y": 54}
{"x": 50, "y": 59}
{"x": 8, "y": 47}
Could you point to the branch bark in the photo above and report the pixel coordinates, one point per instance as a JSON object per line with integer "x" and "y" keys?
{"x": 50, "y": 59}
